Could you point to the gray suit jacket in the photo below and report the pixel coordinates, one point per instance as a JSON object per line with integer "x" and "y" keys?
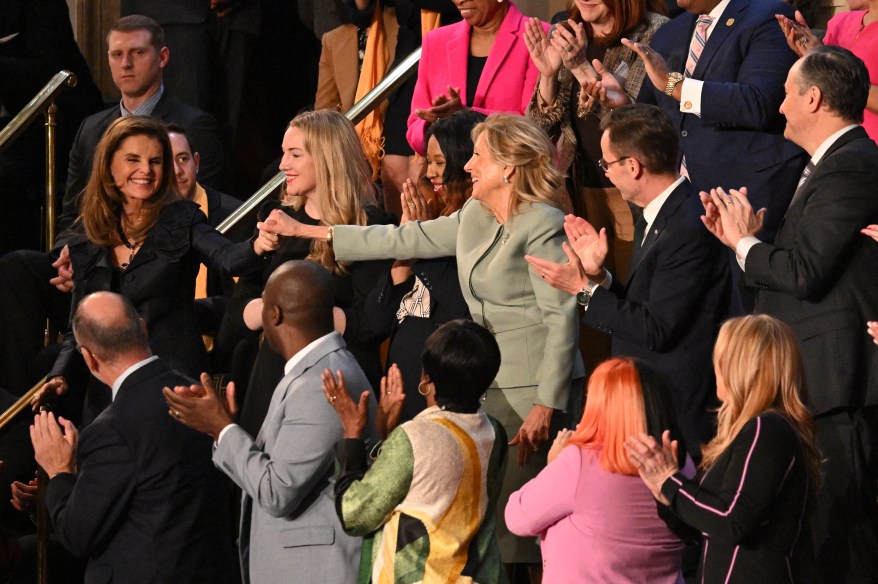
{"x": 289, "y": 527}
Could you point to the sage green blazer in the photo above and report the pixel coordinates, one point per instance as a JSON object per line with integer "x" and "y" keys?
{"x": 536, "y": 325}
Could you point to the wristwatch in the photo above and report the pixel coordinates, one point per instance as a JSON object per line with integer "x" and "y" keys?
{"x": 673, "y": 79}
{"x": 583, "y": 297}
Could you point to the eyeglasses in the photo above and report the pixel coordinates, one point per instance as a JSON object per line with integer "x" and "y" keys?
{"x": 79, "y": 348}
{"x": 605, "y": 166}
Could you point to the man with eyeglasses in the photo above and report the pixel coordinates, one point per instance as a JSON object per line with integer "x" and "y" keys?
{"x": 676, "y": 295}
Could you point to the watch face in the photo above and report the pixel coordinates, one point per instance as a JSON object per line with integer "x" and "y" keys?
{"x": 583, "y": 297}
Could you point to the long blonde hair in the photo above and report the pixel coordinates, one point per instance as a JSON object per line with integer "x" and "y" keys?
{"x": 101, "y": 207}
{"x": 757, "y": 358}
{"x": 516, "y": 141}
{"x": 343, "y": 176}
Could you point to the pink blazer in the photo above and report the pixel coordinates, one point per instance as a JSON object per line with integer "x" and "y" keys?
{"x": 507, "y": 82}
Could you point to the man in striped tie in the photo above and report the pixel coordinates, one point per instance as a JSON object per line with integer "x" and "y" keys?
{"x": 718, "y": 70}
{"x": 819, "y": 277}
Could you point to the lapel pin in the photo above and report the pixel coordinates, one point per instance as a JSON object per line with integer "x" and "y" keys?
{"x": 730, "y": 22}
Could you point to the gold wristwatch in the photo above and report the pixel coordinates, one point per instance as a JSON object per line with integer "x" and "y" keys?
{"x": 673, "y": 79}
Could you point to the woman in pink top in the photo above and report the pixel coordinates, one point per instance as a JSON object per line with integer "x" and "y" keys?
{"x": 596, "y": 520}
{"x": 855, "y": 31}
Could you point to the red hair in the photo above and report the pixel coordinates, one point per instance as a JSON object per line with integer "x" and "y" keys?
{"x": 614, "y": 411}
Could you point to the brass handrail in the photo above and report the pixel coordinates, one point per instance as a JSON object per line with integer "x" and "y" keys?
{"x": 21, "y": 404}
{"x": 40, "y": 103}
{"x": 394, "y": 78}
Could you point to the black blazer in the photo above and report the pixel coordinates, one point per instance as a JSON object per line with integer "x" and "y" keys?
{"x": 819, "y": 275}
{"x": 160, "y": 282}
{"x": 738, "y": 139}
{"x": 668, "y": 314}
{"x": 204, "y": 137}
{"x": 751, "y": 506}
{"x": 439, "y": 276}
{"x": 146, "y": 505}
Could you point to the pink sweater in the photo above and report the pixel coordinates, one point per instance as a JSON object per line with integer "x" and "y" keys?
{"x": 594, "y": 526}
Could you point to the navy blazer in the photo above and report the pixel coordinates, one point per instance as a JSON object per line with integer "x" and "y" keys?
{"x": 738, "y": 139}
{"x": 668, "y": 314}
{"x": 160, "y": 282}
{"x": 819, "y": 275}
{"x": 147, "y": 504}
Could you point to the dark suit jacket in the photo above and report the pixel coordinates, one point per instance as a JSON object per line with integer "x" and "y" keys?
{"x": 669, "y": 312}
{"x": 146, "y": 504}
{"x": 738, "y": 140}
{"x": 160, "y": 281}
{"x": 819, "y": 275}
{"x": 204, "y": 137}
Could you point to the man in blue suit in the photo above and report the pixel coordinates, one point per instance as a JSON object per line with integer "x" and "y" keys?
{"x": 725, "y": 101}
{"x": 718, "y": 70}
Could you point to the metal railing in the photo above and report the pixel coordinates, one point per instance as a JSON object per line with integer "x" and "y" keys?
{"x": 394, "y": 78}
{"x": 391, "y": 82}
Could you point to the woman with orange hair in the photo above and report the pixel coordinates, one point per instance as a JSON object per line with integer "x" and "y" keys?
{"x": 596, "y": 520}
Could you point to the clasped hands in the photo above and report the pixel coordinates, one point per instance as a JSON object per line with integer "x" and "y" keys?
{"x": 585, "y": 253}
{"x": 654, "y": 462}
{"x": 729, "y": 216}
{"x": 566, "y": 44}
{"x": 54, "y": 449}
{"x": 201, "y": 407}
{"x": 354, "y": 416}
{"x": 443, "y": 104}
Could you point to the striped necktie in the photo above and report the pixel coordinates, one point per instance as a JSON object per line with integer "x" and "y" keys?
{"x": 697, "y": 45}
{"x": 695, "y": 49}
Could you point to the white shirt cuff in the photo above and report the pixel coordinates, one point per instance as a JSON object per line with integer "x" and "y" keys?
{"x": 745, "y": 244}
{"x": 690, "y": 96}
{"x": 223, "y": 433}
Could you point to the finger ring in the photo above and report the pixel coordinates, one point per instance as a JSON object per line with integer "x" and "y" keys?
{"x": 543, "y": 275}
{"x": 332, "y": 398}
{"x": 646, "y": 51}
{"x": 411, "y": 206}
{"x": 389, "y": 392}
{"x": 569, "y": 48}
{"x": 803, "y": 40}
{"x": 729, "y": 201}
{"x": 536, "y": 448}
{"x": 176, "y": 413}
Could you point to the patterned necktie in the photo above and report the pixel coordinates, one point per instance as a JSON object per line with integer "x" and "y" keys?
{"x": 809, "y": 168}
{"x": 697, "y": 45}
{"x": 637, "y": 244}
{"x": 695, "y": 49}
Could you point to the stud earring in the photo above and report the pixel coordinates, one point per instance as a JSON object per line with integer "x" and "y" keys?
{"x": 506, "y": 178}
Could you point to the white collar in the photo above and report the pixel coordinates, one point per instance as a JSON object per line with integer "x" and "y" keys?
{"x": 295, "y": 359}
{"x": 651, "y": 211}
{"x": 121, "y": 379}
{"x": 826, "y": 144}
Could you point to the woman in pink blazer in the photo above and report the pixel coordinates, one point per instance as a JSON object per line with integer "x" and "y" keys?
{"x": 596, "y": 520}
{"x": 480, "y": 62}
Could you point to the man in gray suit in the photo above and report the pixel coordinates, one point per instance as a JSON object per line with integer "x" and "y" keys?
{"x": 289, "y": 527}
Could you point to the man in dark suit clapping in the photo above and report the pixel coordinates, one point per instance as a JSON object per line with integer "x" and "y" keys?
{"x": 819, "y": 277}
{"x": 136, "y": 494}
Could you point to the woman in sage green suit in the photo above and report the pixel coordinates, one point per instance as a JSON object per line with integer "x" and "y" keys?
{"x": 515, "y": 210}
